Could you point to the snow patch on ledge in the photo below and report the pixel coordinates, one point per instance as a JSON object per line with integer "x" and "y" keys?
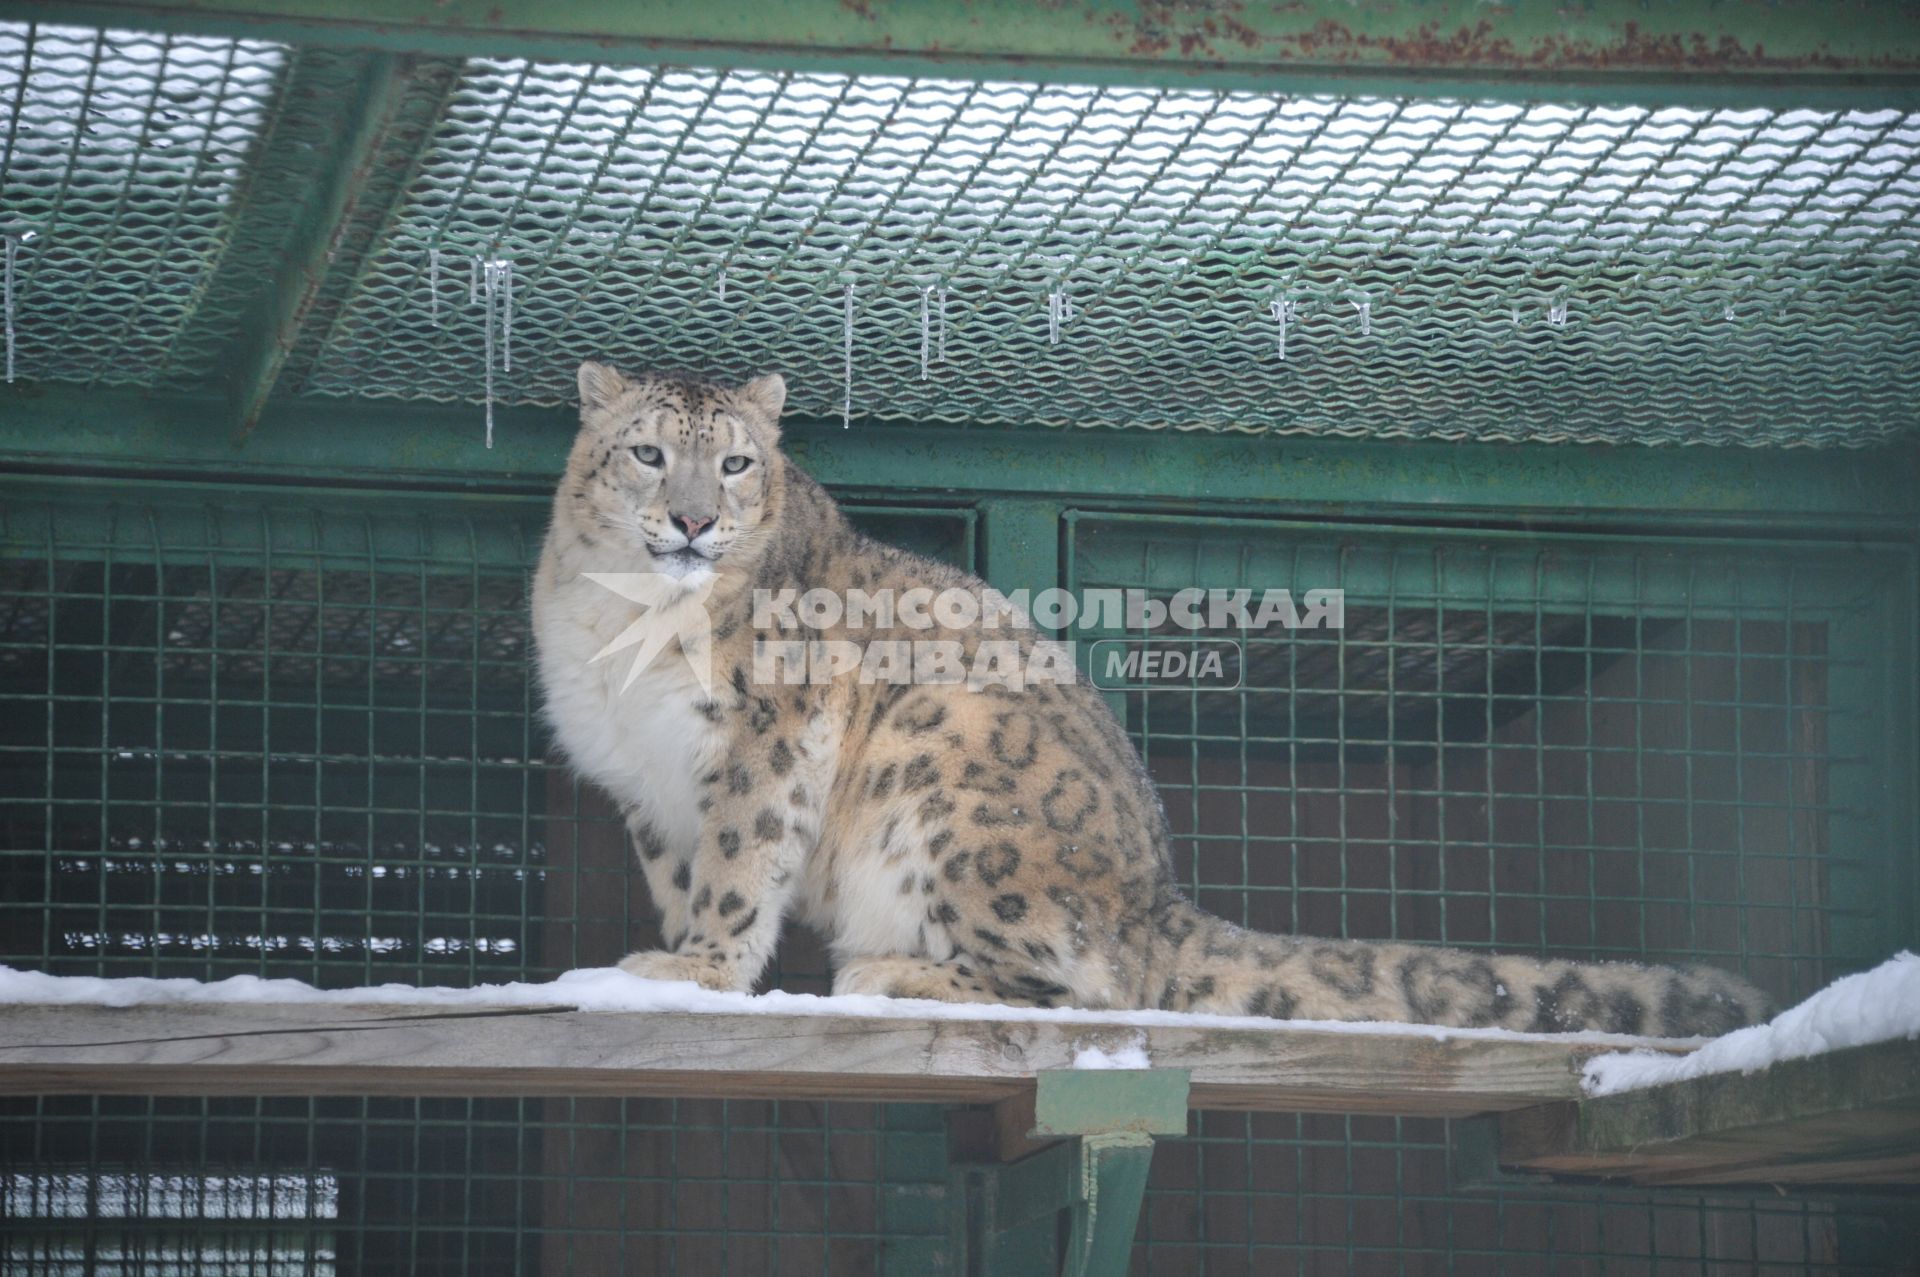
{"x": 1873, "y": 1006}
{"x": 611, "y": 989}
{"x": 1131, "y": 1056}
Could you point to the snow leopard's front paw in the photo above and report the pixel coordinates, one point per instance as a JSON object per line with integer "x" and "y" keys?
{"x": 708, "y": 973}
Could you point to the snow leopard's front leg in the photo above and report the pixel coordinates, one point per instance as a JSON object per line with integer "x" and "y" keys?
{"x": 761, "y": 813}
{"x": 667, "y": 870}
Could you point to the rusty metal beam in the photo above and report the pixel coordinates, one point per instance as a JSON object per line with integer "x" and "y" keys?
{"x": 1708, "y": 52}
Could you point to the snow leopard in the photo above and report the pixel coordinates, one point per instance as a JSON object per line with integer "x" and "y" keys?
{"x": 972, "y": 841}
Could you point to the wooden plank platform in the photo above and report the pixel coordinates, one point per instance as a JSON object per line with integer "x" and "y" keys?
{"x": 309, "y": 1049}
{"x": 1849, "y": 1117}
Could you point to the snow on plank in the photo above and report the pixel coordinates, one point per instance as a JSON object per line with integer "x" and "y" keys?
{"x": 239, "y": 1038}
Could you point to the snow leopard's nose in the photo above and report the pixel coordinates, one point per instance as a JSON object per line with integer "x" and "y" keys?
{"x": 693, "y": 523}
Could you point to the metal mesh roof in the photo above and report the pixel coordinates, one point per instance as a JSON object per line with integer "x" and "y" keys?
{"x": 1096, "y": 256}
{"x": 121, "y": 159}
{"x": 1574, "y": 273}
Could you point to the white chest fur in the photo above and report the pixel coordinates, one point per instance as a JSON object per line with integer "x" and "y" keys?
{"x": 645, "y": 744}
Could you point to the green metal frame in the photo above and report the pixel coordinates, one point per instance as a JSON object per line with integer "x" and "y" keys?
{"x": 1695, "y": 51}
{"x": 384, "y": 445}
{"x": 352, "y": 104}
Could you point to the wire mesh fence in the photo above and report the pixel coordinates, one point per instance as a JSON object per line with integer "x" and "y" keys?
{"x": 255, "y": 734}
{"x": 247, "y": 737}
{"x": 310, "y": 1187}
{"x": 1667, "y": 751}
{"x": 1318, "y": 1194}
{"x": 1656, "y": 750}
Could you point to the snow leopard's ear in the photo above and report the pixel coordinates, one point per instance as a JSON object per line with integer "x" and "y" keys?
{"x": 766, "y": 395}
{"x": 599, "y": 385}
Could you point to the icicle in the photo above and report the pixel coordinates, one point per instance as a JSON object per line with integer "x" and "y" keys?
{"x": 1557, "y": 313}
{"x": 1059, "y": 311}
{"x": 485, "y": 278}
{"x": 846, "y": 403}
{"x": 1727, "y": 314}
{"x": 12, "y": 253}
{"x": 1365, "y": 308}
{"x": 943, "y": 325}
{"x": 1282, "y": 308}
{"x": 491, "y": 280}
{"x": 1517, "y": 321}
{"x": 720, "y": 292}
{"x": 433, "y": 284}
{"x": 926, "y": 329}
{"x": 505, "y": 267}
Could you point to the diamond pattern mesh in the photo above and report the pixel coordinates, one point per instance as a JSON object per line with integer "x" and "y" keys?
{"x": 1454, "y": 269}
{"x": 121, "y": 158}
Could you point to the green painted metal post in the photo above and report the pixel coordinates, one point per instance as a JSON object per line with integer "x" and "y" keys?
{"x": 1072, "y": 1208}
{"x": 1113, "y": 1178}
{"x": 1022, "y": 545}
{"x": 363, "y": 96}
{"x": 918, "y": 1218}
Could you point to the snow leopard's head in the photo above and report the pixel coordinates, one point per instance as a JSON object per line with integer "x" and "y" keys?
{"x": 687, "y": 471}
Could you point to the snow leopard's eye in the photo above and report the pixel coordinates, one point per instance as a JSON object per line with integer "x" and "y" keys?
{"x": 648, "y": 455}
{"x": 735, "y": 464}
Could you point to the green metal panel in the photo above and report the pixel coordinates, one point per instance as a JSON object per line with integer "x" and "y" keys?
{"x": 1605, "y": 48}
{"x": 294, "y": 162}
{"x": 1071, "y": 1207}
{"x": 1106, "y": 1102}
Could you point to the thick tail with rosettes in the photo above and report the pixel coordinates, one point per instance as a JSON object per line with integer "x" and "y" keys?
{"x": 1220, "y": 968}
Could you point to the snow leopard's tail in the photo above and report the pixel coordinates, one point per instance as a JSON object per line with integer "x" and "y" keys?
{"x": 1215, "y": 966}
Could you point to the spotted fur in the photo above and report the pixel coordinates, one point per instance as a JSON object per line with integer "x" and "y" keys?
{"x": 968, "y": 845}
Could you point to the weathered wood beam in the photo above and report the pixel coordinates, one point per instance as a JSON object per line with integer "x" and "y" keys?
{"x": 1851, "y": 1116}
{"x": 304, "y": 1049}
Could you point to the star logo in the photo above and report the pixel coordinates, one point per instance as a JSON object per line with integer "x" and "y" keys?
{"x": 670, "y": 610}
